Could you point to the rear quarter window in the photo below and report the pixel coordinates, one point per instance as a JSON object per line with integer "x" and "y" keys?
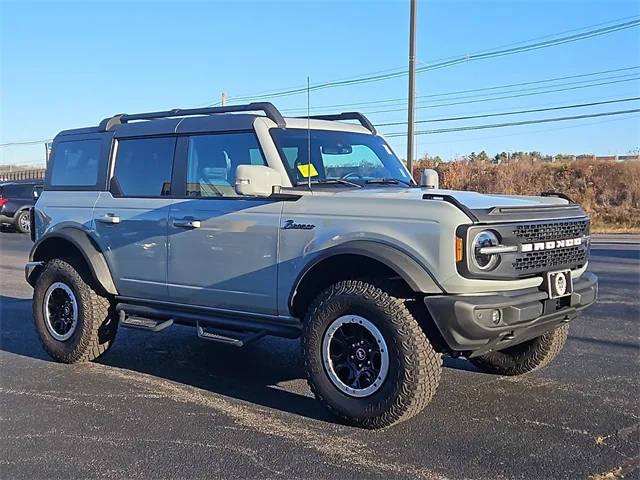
{"x": 76, "y": 163}
{"x": 18, "y": 190}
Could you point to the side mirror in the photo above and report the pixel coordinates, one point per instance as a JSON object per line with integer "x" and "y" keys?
{"x": 430, "y": 179}
{"x": 257, "y": 180}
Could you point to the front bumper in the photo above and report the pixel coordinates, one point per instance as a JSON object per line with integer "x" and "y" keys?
{"x": 466, "y": 324}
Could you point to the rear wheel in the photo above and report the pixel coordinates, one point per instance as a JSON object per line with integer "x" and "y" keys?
{"x": 23, "y": 221}
{"x": 73, "y": 320}
{"x": 524, "y": 357}
{"x": 367, "y": 359}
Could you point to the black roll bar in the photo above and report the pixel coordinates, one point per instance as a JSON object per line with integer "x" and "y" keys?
{"x": 364, "y": 121}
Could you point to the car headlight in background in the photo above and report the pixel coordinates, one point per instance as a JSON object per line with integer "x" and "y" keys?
{"x": 481, "y": 259}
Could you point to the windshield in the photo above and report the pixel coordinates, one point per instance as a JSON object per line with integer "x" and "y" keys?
{"x": 358, "y": 158}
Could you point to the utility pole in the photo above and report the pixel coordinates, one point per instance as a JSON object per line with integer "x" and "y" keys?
{"x": 223, "y": 99}
{"x": 412, "y": 79}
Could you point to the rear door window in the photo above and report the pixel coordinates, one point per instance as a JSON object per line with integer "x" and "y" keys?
{"x": 144, "y": 167}
{"x": 76, "y": 163}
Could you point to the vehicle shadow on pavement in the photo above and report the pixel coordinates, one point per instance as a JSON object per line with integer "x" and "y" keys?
{"x": 268, "y": 373}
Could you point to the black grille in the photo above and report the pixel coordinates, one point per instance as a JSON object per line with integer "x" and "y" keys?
{"x": 540, "y": 232}
{"x": 548, "y": 260}
{"x": 545, "y": 260}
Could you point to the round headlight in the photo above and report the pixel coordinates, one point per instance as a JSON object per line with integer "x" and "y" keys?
{"x": 484, "y": 261}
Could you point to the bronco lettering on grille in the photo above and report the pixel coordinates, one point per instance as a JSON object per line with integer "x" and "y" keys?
{"x": 538, "y": 246}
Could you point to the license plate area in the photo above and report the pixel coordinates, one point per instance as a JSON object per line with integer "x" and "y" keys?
{"x": 558, "y": 284}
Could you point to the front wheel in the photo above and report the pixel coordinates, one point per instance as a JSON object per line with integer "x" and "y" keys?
{"x": 524, "y": 357}
{"x": 73, "y": 320}
{"x": 367, "y": 359}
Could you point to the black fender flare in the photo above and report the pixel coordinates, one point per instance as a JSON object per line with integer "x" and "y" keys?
{"x": 23, "y": 207}
{"x": 88, "y": 249}
{"x": 418, "y": 277}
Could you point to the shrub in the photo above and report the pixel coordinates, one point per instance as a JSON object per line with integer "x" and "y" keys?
{"x": 608, "y": 191}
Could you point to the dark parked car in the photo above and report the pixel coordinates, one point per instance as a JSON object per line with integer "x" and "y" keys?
{"x": 16, "y": 198}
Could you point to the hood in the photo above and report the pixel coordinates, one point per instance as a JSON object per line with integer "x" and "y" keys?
{"x": 480, "y": 207}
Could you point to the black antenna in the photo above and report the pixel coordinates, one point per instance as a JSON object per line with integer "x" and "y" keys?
{"x": 308, "y": 135}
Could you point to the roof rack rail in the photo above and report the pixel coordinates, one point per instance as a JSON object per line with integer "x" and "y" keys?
{"x": 364, "y": 121}
{"x": 268, "y": 108}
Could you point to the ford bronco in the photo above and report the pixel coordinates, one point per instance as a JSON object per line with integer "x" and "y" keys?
{"x": 242, "y": 223}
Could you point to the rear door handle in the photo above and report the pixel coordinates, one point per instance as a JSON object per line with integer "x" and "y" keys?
{"x": 186, "y": 223}
{"x": 108, "y": 218}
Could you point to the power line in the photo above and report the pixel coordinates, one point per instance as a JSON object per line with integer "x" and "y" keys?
{"x": 30, "y": 142}
{"x": 531, "y": 89}
{"x": 403, "y": 69}
{"x": 504, "y": 97}
{"x": 512, "y": 124}
{"x": 518, "y": 112}
{"x": 454, "y": 60}
{"x": 531, "y": 132}
{"x": 495, "y": 87}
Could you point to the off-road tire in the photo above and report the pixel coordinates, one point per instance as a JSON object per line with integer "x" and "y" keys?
{"x": 414, "y": 366}
{"x": 19, "y": 221}
{"x": 525, "y": 357}
{"x": 97, "y": 324}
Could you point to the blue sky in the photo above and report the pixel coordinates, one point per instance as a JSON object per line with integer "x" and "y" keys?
{"x": 66, "y": 65}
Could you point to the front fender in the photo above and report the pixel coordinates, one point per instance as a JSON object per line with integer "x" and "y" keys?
{"x": 418, "y": 277}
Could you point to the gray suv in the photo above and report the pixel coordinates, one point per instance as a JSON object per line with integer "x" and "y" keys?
{"x": 242, "y": 223}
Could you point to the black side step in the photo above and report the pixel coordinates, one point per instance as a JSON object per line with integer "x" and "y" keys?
{"x": 185, "y": 315}
{"x": 142, "y": 323}
{"x": 230, "y": 337}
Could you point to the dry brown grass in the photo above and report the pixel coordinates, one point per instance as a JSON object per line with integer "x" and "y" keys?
{"x": 608, "y": 191}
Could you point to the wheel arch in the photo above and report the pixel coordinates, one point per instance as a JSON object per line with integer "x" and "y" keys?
{"x": 79, "y": 244}
{"x": 357, "y": 259}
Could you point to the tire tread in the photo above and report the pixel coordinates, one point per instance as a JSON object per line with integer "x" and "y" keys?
{"x": 96, "y": 310}
{"x": 422, "y": 369}
{"x": 528, "y": 357}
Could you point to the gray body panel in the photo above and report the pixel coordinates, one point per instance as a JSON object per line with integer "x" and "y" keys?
{"x": 230, "y": 261}
{"x": 136, "y": 247}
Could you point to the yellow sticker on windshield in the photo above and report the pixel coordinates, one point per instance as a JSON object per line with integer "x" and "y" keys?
{"x": 308, "y": 170}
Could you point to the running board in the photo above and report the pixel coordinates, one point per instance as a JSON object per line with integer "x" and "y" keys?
{"x": 237, "y": 339}
{"x": 143, "y": 323}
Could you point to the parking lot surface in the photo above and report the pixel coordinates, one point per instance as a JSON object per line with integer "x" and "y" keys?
{"x": 171, "y": 405}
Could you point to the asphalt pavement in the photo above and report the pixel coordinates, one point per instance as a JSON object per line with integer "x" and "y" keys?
{"x": 169, "y": 405}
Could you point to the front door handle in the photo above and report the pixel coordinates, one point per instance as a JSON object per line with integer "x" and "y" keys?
{"x": 186, "y": 223}
{"x": 108, "y": 218}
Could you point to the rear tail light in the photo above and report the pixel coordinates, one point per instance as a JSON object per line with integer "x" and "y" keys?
{"x": 3, "y": 201}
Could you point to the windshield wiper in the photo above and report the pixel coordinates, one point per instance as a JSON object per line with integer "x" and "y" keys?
{"x": 389, "y": 180}
{"x": 341, "y": 181}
